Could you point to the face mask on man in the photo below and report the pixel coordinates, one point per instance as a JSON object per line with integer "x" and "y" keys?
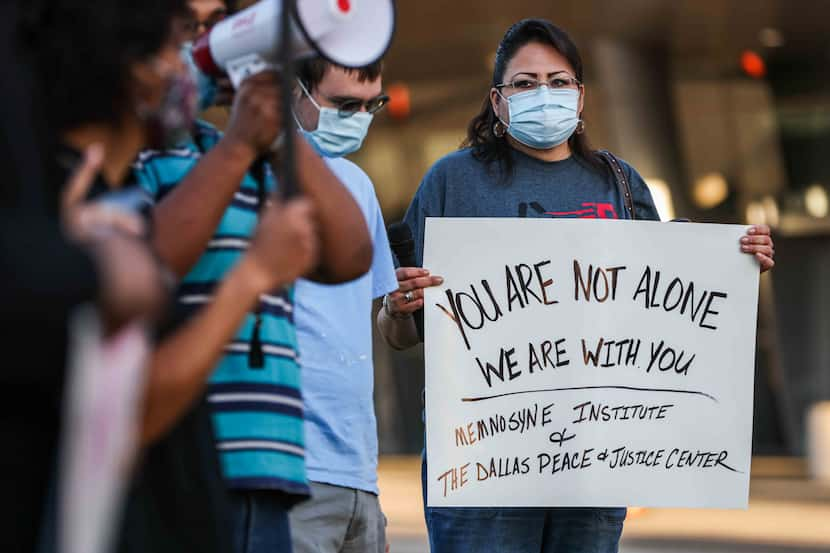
{"x": 171, "y": 122}
{"x": 206, "y": 86}
{"x": 543, "y": 118}
{"x": 336, "y": 136}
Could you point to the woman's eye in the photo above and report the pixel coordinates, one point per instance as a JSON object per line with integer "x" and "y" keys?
{"x": 559, "y": 83}
{"x": 524, "y": 84}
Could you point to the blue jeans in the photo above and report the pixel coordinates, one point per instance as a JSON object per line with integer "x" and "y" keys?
{"x": 522, "y": 530}
{"x": 259, "y": 522}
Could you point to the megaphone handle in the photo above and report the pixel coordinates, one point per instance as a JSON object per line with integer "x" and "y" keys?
{"x": 288, "y": 172}
{"x": 277, "y": 159}
{"x": 283, "y": 160}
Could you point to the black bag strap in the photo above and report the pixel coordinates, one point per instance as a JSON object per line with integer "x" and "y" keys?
{"x": 256, "y": 356}
{"x": 622, "y": 181}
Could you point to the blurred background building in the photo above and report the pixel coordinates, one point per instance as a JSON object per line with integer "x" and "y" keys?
{"x": 722, "y": 105}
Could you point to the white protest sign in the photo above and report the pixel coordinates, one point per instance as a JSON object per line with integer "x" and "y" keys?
{"x": 588, "y": 363}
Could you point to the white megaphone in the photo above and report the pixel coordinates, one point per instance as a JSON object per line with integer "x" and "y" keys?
{"x": 350, "y": 33}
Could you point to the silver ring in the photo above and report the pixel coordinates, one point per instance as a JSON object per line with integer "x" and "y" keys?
{"x": 409, "y": 296}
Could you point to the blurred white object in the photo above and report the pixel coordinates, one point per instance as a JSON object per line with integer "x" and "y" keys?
{"x": 710, "y": 190}
{"x": 661, "y": 194}
{"x": 818, "y": 441}
{"x": 755, "y": 213}
{"x": 105, "y": 382}
{"x": 816, "y": 201}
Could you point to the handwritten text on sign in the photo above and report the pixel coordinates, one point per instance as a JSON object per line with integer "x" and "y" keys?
{"x": 588, "y": 363}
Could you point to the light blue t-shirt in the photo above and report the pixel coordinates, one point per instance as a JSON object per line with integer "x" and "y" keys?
{"x": 334, "y": 333}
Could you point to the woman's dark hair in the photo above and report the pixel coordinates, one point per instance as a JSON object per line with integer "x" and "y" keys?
{"x": 488, "y": 147}
{"x": 81, "y": 52}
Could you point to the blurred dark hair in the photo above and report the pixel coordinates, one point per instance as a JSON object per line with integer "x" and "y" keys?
{"x": 81, "y": 52}
{"x": 488, "y": 147}
{"x": 311, "y": 71}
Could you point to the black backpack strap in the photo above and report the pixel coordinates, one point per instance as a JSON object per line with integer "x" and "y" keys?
{"x": 622, "y": 181}
{"x": 256, "y": 356}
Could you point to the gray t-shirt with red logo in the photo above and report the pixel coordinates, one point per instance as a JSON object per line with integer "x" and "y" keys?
{"x": 459, "y": 185}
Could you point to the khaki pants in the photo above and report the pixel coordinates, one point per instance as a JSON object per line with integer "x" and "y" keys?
{"x": 338, "y": 520}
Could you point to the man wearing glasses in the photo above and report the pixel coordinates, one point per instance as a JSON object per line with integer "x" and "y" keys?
{"x": 207, "y": 13}
{"x": 204, "y": 15}
{"x": 334, "y": 108}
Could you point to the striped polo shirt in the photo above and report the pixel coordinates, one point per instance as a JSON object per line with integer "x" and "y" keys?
{"x": 257, "y": 411}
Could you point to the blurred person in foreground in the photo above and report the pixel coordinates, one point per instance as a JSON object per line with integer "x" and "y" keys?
{"x": 334, "y": 107}
{"x": 114, "y": 84}
{"x": 47, "y": 274}
{"x": 210, "y": 190}
{"x": 526, "y": 153}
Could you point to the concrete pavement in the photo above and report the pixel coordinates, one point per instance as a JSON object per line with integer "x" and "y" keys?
{"x": 787, "y": 514}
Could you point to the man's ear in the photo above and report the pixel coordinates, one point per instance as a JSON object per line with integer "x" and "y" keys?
{"x": 297, "y": 93}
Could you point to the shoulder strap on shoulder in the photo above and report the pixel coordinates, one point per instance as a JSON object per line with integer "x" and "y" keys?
{"x": 622, "y": 181}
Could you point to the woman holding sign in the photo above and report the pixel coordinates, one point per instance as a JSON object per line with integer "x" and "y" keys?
{"x": 528, "y": 155}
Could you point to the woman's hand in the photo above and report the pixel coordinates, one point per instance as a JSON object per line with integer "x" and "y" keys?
{"x": 409, "y": 296}
{"x": 758, "y": 242}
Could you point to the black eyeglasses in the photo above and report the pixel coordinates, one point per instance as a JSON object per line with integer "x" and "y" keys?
{"x": 346, "y": 107}
{"x": 198, "y": 28}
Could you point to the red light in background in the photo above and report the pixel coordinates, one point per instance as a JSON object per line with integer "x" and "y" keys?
{"x": 399, "y": 101}
{"x": 753, "y": 64}
{"x": 344, "y": 6}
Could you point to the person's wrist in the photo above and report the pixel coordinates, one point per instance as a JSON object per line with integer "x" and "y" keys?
{"x": 256, "y": 277}
{"x": 237, "y": 148}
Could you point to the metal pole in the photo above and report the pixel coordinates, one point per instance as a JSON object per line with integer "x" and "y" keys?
{"x": 287, "y": 172}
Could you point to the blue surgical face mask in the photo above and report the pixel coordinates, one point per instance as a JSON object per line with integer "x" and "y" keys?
{"x": 336, "y": 136}
{"x": 543, "y": 118}
{"x": 206, "y": 85}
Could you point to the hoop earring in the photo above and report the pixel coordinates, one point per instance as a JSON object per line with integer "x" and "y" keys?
{"x": 580, "y": 127}
{"x": 498, "y": 129}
